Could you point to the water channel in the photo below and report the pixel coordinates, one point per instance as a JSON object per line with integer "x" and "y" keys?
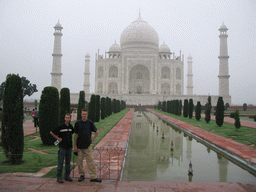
{"x": 150, "y": 156}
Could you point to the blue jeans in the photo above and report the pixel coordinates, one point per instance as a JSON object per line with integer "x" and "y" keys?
{"x": 64, "y": 153}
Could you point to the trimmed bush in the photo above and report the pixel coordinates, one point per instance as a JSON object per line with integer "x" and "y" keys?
{"x": 208, "y": 108}
{"x": 237, "y": 120}
{"x": 169, "y": 106}
{"x": 190, "y": 108}
{"x": 255, "y": 118}
{"x": 12, "y": 119}
{"x": 109, "y": 106}
{"x": 91, "y": 112}
{"x": 245, "y": 107}
{"x": 180, "y": 108}
{"x": 232, "y": 115}
{"x": 164, "y": 106}
{"x": 103, "y": 108}
{"x": 185, "y": 109}
{"x": 49, "y": 114}
{"x": 64, "y": 103}
{"x": 220, "y": 112}
{"x": 81, "y": 104}
{"x": 198, "y": 111}
{"x": 97, "y": 108}
{"x": 159, "y": 106}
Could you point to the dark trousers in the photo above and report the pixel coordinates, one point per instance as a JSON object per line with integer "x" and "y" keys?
{"x": 64, "y": 154}
{"x": 36, "y": 122}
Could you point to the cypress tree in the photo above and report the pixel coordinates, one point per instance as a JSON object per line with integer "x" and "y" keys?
{"x": 109, "y": 104}
{"x": 64, "y": 103}
{"x": 220, "y": 112}
{"x": 164, "y": 107}
{"x": 237, "y": 119}
{"x": 190, "y": 108}
{"x": 91, "y": 111}
{"x": 12, "y": 119}
{"x": 244, "y": 106}
{"x": 198, "y": 111}
{"x": 177, "y": 106}
{"x": 97, "y": 108}
{"x": 118, "y": 105}
{"x": 81, "y": 104}
{"x": 49, "y": 114}
{"x": 103, "y": 107}
{"x": 180, "y": 109}
{"x": 185, "y": 110}
{"x": 208, "y": 108}
{"x": 159, "y": 106}
{"x": 172, "y": 106}
{"x": 169, "y": 106}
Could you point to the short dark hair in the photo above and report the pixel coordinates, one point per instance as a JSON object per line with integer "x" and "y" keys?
{"x": 68, "y": 114}
{"x": 84, "y": 109}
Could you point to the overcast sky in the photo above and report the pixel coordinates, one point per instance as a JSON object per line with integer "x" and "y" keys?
{"x": 26, "y": 39}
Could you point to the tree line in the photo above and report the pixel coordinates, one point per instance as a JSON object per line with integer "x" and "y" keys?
{"x": 53, "y": 107}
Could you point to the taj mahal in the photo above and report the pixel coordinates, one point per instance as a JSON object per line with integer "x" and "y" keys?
{"x": 141, "y": 72}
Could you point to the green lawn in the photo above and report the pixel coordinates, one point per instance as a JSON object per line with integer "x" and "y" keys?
{"x": 33, "y": 162}
{"x": 243, "y": 135}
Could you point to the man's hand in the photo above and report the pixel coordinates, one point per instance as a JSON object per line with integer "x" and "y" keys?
{"x": 60, "y": 139}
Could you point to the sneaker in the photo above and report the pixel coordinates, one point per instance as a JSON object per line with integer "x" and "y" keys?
{"x": 59, "y": 180}
{"x": 96, "y": 180}
{"x": 68, "y": 179}
{"x": 81, "y": 178}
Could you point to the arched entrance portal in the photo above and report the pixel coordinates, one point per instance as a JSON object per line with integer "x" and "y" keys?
{"x": 139, "y": 81}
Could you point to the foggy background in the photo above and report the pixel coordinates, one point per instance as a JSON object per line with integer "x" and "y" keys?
{"x": 26, "y": 39}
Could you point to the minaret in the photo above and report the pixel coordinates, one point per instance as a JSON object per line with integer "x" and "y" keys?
{"x": 87, "y": 74}
{"x": 223, "y": 62}
{"x": 190, "y": 77}
{"x": 56, "y": 63}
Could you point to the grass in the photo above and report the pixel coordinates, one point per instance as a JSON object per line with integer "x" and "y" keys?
{"x": 243, "y": 135}
{"x": 32, "y": 162}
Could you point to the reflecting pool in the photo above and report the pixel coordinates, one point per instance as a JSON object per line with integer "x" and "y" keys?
{"x": 158, "y": 152}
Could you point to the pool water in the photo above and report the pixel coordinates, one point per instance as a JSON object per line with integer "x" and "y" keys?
{"x": 158, "y": 152}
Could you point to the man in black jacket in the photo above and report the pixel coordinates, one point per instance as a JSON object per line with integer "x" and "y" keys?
{"x": 63, "y": 133}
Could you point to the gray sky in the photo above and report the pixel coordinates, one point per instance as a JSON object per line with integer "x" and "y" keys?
{"x": 26, "y": 38}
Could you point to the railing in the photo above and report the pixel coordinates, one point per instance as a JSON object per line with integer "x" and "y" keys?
{"x": 108, "y": 163}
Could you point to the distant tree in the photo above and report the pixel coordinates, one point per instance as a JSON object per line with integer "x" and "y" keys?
{"x": 237, "y": 119}
{"x": 27, "y": 87}
{"x": 12, "y": 119}
{"x": 180, "y": 109}
{"x": 198, "y": 111}
{"x": 185, "y": 109}
{"x": 190, "y": 108}
{"x": 64, "y": 103}
{"x": 226, "y": 106}
{"x": 35, "y": 103}
{"x": 118, "y": 106}
{"x": 168, "y": 106}
{"x": 108, "y": 107}
{"x": 245, "y": 107}
{"x": 48, "y": 114}
{"x": 91, "y": 111}
{"x": 97, "y": 108}
{"x": 81, "y": 104}
{"x": 159, "y": 106}
{"x": 220, "y": 112}
{"x": 177, "y": 106}
{"x": 255, "y": 118}
{"x": 123, "y": 104}
{"x": 208, "y": 108}
{"x": 164, "y": 106}
{"x": 103, "y": 107}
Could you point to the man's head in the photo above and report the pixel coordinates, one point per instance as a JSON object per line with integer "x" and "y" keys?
{"x": 84, "y": 114}
{"x": 67, "y": 118}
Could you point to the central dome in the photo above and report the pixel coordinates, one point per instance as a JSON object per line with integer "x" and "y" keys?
{"x": 138, "y": 32}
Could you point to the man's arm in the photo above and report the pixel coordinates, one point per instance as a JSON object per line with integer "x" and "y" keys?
{"x": 55, "y": 136}
{"x": 95, "y": 136}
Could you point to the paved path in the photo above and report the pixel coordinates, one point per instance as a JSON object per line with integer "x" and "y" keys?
{"x": 117, "y": 139}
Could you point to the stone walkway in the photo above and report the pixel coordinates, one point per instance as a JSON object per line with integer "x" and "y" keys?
{"x": 118, "y": 138}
